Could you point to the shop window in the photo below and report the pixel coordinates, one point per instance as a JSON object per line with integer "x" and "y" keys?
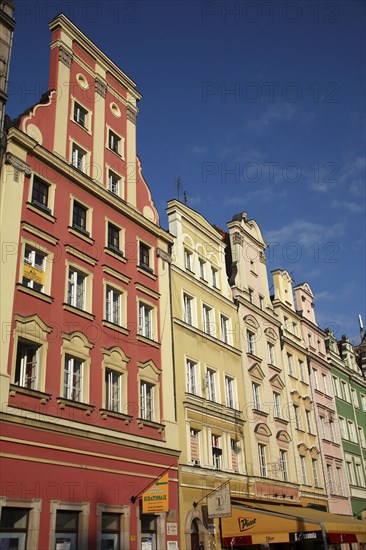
{"x": 66, "y": 535}
{"x": 110, "y": 539}
{"x": 13, "y": 528}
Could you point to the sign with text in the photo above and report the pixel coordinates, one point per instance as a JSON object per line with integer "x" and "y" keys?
{"x": 156, "y": 498}
{"x": 219, "y": 502}
{"x": 33, "y": 273}
{"x": 305, "y": 535}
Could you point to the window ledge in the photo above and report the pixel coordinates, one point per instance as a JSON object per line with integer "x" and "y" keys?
{"x": 78, "y": 311}
{"x": 252, "y": 356}
{"x": 115, "y": 254}
{"x": 149, "y": 274}
{"x": 41, "y": 211}
{"x": 43, "y": 397}
{"x": 35, "y": 293}
{"x": 105, "y": 413}
{"x": 143, "y": 422}
{"x": 281, "y": 420}
{"x": 63, "y": 402}
{"x": 113, "y": 326}
{"x": 81, "y": 235}
{"x": 260, "y": 412}
{"x": 145, "y": 340}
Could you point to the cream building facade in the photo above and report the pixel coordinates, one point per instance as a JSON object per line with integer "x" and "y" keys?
{"x": 208, "y": 373}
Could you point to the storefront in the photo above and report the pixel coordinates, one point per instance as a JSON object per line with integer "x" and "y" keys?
{"x": 288, "y": 527}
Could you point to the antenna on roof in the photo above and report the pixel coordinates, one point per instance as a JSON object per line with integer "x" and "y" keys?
{"x": 178, "y": 184}
{"x": 185, "y": 195}
{"x": 361, "y": 326}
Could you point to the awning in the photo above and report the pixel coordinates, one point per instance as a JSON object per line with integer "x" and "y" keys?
{"x": 265, "y": 523}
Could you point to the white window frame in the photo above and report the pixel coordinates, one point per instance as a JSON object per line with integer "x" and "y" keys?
{"x": 25, "y": 381}
{"x": 75, "y": 297}
{"x": 80, "y": 115}
{"x": 277, "y": 408}
{"x": 202, "y": 266}
{"x": 225, "y": 328}
{"x": 79, "y": 157}
{"x": 191, "y": 377}
{"x": 230, "y": 392}
{"x": 211, "y": 386}
{"x": 147, "y": 401}
{"x": 206, "y": 319}
{"x": 303, "y": 470}
{"x": 271, "y": 354}
{"x": 302, "y": 371}
{"x": 113, "y": 390}
{"x": 262, "y": 451}
{"x": 113, "y": 297}
{"x": 114, "y": 182}
{"x": 343, "y": 427}
{"x": 31, "y": 260}
{"x": 350, "y": 472}
{"x": 325, "y": 383}
{"x": 290, "y": 364}
{"x": 256, "y": 396}
{"x": 146, "y": 320}
{"x": 314, "y": 463}
{"x": 215, "y": 277}
{"x": 188, "y": 257}
{"x": 73, "y": 388}
{"x": 216, "y": 458}
{"x": 283, "y": 464}
{"x": 251, "y": 342}
{"x": 297, "y": 417}
{"x": 188, "y": 302}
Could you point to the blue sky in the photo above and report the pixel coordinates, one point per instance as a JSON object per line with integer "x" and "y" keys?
{"x": 258, "y": 106}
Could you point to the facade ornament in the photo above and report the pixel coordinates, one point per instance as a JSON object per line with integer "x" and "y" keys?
{"x": 131, "y": 115}
{"x": 18, "y": 164}
{"x": 262, "y": 258}
{"x": 65, "y": 56}
{"x": 100, "y": 87}
{"x": 238, "y": 239}
{"x": 164, "y": 255}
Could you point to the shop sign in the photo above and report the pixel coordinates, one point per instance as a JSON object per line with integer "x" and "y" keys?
{"x": 246, "y": 523}
{"x": 236, "y": 541}
{"x": 305, "y": 535}
{"x": 33, "y": 273}
{"x": 171, "y": 528}
{"x": 156, "y": 498}
{"x": 341, "y": 538}
{"x": 219, "y": 502}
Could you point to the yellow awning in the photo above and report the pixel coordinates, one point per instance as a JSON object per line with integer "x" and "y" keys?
{"x": 254, "y": 523}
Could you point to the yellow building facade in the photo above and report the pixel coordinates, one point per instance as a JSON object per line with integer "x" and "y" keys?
{"x": 208, "y": 373}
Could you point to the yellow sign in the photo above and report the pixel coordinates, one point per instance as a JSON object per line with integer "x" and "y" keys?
{"x": 156, "y": 498}
{"x": 33, "y": 273}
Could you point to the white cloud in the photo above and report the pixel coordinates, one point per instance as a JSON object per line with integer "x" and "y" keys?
{"x": 304, "y": 233}
{"x": 351, "y": 175}
{"x": 350, "y": 206}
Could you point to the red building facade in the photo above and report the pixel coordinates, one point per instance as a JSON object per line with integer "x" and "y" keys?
{"x": 85, "y": 425}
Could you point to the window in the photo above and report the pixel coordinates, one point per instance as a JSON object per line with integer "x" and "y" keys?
{"x": 336, "y": 386}
{"x": 297, "y": 417}
{"x": 310, "y": 340}
{"x": 147, "y": 401}
{"x": 224, "y": 325}
{"x": 73, "y": 379}
{"x": 361, "y": 436}
{"x": 40, "y": 191}
{"x": 76, "y": 290}
{"x": 13, "y": 527}
{"x": 271, "y": 355}
{"x": 354, "y": 398}
{"x": 144, "y": 255}
{"x": 113, "y": 381}
{"x": 320, "y": 349}
{"x": 215, "y": 275}
{"x": 314, "y": 463}
{"x": 216, "y": 452}
{"x": 79, "y": 214}
{"x": 66, "y": 535}
{"x": 340, "y": 490}
{"x": 80, "y": 114}
{"x": 303, "y": 470}
{"x": 111, "y": 528}
{"x": 114, "y": 182}
{"x": 316, "y": 379}
{"x": 323, "y": 427}
{"x": 187, "y": 309}
{"x": 113, "y": 238}
{"x": 206, "y": 314}
{"x": 290, "y": 363}
{"x": 302, "y": 371}
{"x": 27, "y": 365}
{"x": 331, "y": 430}
{"x": 343, "y": 428}
{"x": 286, "y": 322}
{"x": 294, "y": 329}
{"x": 283, "y": 464}
{"x": 350, "y": 472}
{"x": 234, "y": 454}
{"x": 308, "y": 421}
{"x": 78, "y": 158}
{"x": 351, "y": 431}
{"x": 229, "y": 391}
{"x": 202, "y": 269}
{"x": 191, "y": 370}
{"x": 145, "y": 321}
{"x": 114, "y": 142}
{"x": 195, "y": 450}
{"x": 344, "y": 391}
{"x": 330, "y": 479}
{"x": 325, "y": 383}
{"x": 210, "y": 385}
{"x": 113, "y": 303}
{"x": 256, "y": 396}
{"x": 261, "y": 302}
{"x": 188, "y": 259}
{"x": 251, "y": 295}
{"x": 262, "y": 460}
{"x": 277, "y": 405}
{"x": 250, "y": 342}
{"x": 363, "y": 402}
{"x": 34, "y": 268}
{"x": 359, "y": 476}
